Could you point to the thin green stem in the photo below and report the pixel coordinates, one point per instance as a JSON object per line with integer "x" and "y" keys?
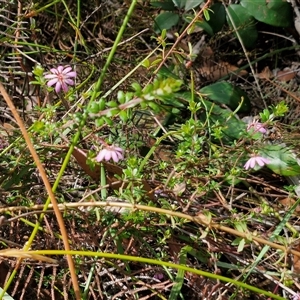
{"x": 151, "y": 151}
{"x": 156, "y": 262}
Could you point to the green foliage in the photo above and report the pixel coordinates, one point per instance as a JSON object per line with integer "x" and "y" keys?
{"x": 187, "y": 4}
{"x": 283, "y": 161}
{"x": 228, "y": 94}
{"x": 192, "y": 157}
{"x": 166, "y": 20}
{"x": 274, "y": 12}
{"x": 217, "y": 17}
{"x": 163, "y": 4}
{"x": 170, "y": 17}
{"x": 244, "y": 23}
{"x": 269, "y": 114}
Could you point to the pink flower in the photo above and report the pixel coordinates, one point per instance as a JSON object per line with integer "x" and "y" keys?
{"x": 110, "y": 152}
{"x": 295, "y": 296}
{"x": 256, "y": 126}
{"x": 61, "y": 78}
{"x": 256, "y": 160}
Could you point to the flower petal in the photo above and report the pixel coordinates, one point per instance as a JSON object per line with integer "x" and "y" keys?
{"x": 52, "y": 81}
{"x": 260, "y": 161}
{"x": 71, "y": 74}
{"x": 64, "y": 86}
{"x": 100, "y": 156}
{"x": 247, "y": 164}
{"x": 50, "y": 76}
{"x": 54, "y": 71}
{"x": 58, "y": 87}
{"x": 60, "y": 69}
{"x": 120, "y": 155}
{"x": 66, "y": 70}
{"x": 114, "y": 156}
{"x": 118, "y": 149}
{"x": 107, "y": 154}
{"x": 251, "y": 162}
{"x": 69, "y": 81}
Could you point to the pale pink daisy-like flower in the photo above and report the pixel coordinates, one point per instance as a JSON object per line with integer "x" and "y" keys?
{"x": 256, "y": 126}
{"x": 110, "y": 152}
{"x": 61, "y": 78}
{"x": 295, "y": 296}
{"x": 256, "y": 160}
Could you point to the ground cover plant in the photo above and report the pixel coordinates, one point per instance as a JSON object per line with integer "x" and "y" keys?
{"x": 149, "y": 149}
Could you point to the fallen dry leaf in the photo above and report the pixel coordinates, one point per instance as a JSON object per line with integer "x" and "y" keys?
{"x": 265, "y": 73}
{"x": 285, "y": 75}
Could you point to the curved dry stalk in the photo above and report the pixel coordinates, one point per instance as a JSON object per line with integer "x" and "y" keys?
{"x": 200, "y": 219}
{"x": 48, "y": 188}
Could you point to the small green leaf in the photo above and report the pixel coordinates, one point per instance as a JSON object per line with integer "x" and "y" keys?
{"x": 137, "y": 88}
{"x": 121, "y": 97}
{"x": 38, "y": 125}
{"x": 179, "y": 3}
{"x": 165, "y": 20}
{"x": 217, "y": 17}
{"x": 101, "y": 103}
{"x": 112, "y": 112}
{"x": 123, "y": 116}
{"x": 273, "y": 12}
{"x": 199, "y": 23}
{"x": 206, "y": 14}
{"x": 189, "y": 4}
{"x": 38, "y": 70}
{"x": 100, "y": 122}
{"x": 244, "y": 23}
{"x": 226, "y": 93}
{"x": 108, "y": 120}
{"x": 166, "y": 72}
{"x": 165, "y": 4}
{"x": 146, "y": 63}
{"x": 241, "y": 245}
{"x": 112, "y": 104}
{"x": 94, "y": 108}
{"x": 180, "y": 275}
{"x": 205, "y": 26}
